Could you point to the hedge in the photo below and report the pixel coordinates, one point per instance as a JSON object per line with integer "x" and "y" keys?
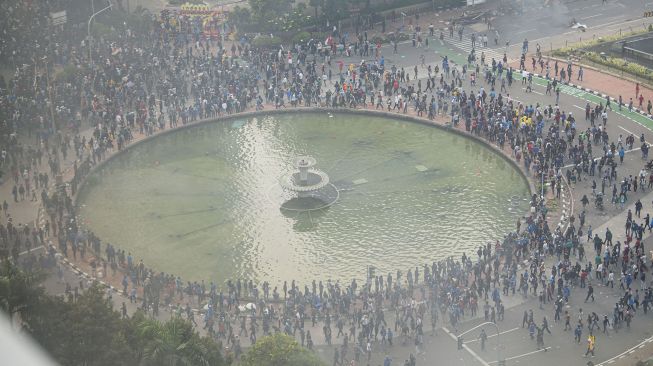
{"x": 619, "y": 64}
{"x": 566, "y": 51}
{"x": 181, "y": 2}
{"x": 404, "y": 3}
{"x": 612, "y": 62}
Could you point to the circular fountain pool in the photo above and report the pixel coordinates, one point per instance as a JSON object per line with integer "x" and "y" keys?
{"x": 205, "y": 202}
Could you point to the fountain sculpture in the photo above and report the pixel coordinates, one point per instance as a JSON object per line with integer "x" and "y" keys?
{"x": 308, "y": 187}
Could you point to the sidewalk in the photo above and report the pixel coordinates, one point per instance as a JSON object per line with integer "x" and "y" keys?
{"x": 597, "y": 81}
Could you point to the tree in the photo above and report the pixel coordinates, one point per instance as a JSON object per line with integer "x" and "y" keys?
{"x": 240, "y": 15}
{"x": 316, "y": 4}
{"x": 19, "y": 291}
{"x": 335, "y": 10}
{"x": 267, "y": 12}
{"x": 175, "y": 343}
{"x": 84, "y": 332}
{"x": 89, "y": 332}
{"x": 279, "y": 350}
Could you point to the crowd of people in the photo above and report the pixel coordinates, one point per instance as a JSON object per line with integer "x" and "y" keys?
{"x": 140, "y": 83}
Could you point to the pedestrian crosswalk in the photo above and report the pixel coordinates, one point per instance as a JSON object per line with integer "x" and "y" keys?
{"x": 466, "y": 45}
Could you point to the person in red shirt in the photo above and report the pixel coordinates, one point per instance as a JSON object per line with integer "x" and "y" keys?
{"x": 636, "y": 90}
{"x": 641, "y": 100}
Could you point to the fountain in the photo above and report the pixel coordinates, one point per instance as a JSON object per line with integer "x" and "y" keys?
{"x": 236, "y": 199}
{"x": 308, "y": 187}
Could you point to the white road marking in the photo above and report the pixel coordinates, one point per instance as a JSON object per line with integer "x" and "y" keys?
{"x": 625, "y": 352}
{"x": 625, "y": 130}
{"x": 524, "y": 355}
{"x": 32, "y": 250}
{"x": 494, "y": 335}
{"x": 477, "y": 357}
{"x": 608, "y": 23}
{"x": 614, "y": 22}
{"x": 592, "y": 16}
{"x": 533, "y": 90}
{"x": 596, "y": 159}
{"x": 579, "y": 107}
{"x": 526, "y": 31}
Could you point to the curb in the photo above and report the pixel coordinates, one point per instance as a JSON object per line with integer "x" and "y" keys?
{"x": 594, "y": 92}
{"x": 221, "y": 119}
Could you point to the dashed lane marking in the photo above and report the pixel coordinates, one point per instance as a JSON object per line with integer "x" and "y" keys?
{"x": 625, "y": 130}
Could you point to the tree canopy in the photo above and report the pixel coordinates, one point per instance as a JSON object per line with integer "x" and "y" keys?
{"x": 279, "y": 350}
{"x": 266, "y": 10}
{"x": 88, "y": 331}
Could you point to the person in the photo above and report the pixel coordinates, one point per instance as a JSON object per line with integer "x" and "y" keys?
{"x": 591, "y": 340}
{"x": 540, "y": 338}
{"x": 483, "y": 338}
{"x": 387, "y": 361}
{"x": 545, "y": 325}
{"x": 309, "y": 340}
{"x": 584, "y": 200}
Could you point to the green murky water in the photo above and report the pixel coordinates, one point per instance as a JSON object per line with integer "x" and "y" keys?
{"x": 204, "y": 202}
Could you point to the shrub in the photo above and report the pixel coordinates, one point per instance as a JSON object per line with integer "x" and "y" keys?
{"x": 301, "y": 37}
{"x": 619, "y": 64}
{"x": 267, "y": 42}
{"x": 574, "y": 47}
{"x": 180, "y": 2}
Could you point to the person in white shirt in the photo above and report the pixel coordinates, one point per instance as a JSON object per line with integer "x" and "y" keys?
{"x": 610, "y": 279}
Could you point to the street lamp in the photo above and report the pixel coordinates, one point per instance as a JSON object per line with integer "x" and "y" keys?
{"x": 90, "y": 58}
